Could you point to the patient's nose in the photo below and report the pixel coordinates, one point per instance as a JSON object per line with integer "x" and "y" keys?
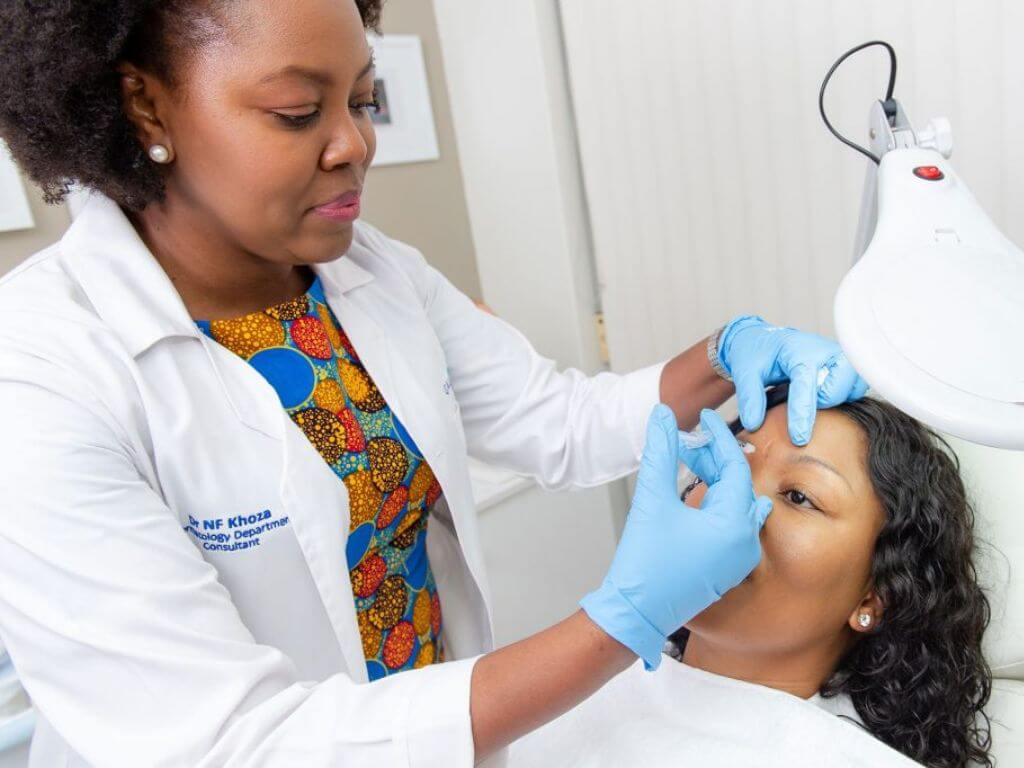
{"x": 758, "y": 468}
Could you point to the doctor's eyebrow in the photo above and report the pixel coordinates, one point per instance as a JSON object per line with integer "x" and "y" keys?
{"x": 805, "y": 458}
{"x": 315, "y": 75}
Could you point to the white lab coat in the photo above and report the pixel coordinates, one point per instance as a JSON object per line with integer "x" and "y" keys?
{"x": 126, "y": 434}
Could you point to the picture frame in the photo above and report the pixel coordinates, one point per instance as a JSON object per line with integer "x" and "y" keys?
{"x": 15, "y": 213}
{"x": 406, "y": 132}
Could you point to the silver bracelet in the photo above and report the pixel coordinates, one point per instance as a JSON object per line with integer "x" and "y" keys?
{"x": 713, "y": 358}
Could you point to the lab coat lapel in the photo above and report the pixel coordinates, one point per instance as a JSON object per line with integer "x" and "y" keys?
{"x": 315, "y": 497}
{"x": 315, "y": 500}
{"x": 311, "y": 490}
{"x": 318, "y": 504}
{"x": 121, "y": 278}
{"x": 132, "y": 293}
{"x": 389, "y": 372}
{"x": 407, "y": 391}
{"x": 252, "y": 399}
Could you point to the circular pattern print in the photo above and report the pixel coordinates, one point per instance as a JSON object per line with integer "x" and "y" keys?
{"x": 372, "y": 637}
{"x": 425, "y": 657}
{"x": 363, "y": 498}
{"x": 329, "y": 396}
{"x": 394, "y": 505}
{"x": 369, "y": 575}
{"x": 249, "y": 334}
{"x": 288, "y": 372}
{"x": 333, "y": 335}
{"x": 421, "y": 481}
{"x": 388, "y": 462}
{"x": 346, "y": 344}
{"x": 408, "y": 530}
{"x": 310, "y": 336}
{"x": 290, "y": 310}
{"x": 324, "y": 431}
{"x": 433, "y": 494}
{"x": 399, "y": 645}
{"x": 435, "y": 615}
{"x": 389, "y": 607}
{"x": 360, "y": 388}
{"x": 375, "y": 670}
{"x": 353, "y": 431}
{"x": 421, "y": 613}
{"x": 416, "y": 567}
{"x": 358, "y": 543}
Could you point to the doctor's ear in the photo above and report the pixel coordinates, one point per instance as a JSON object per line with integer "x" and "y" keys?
{"x": 140, "y": 94}
{"x": 866, "y": 616}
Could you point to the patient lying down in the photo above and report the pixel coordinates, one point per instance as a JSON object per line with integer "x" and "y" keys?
{"x": 856, "y": 641}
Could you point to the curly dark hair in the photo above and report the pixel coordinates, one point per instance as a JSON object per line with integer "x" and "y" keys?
{"x": 60, "y": 93}
{"x": 918, "y": 681}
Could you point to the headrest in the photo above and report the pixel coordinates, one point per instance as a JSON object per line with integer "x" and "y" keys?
{"x": 995, "y": 484}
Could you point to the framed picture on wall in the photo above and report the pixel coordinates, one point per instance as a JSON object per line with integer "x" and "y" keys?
{"x": 405, "y": 122}
{"x": 14, "y": 210}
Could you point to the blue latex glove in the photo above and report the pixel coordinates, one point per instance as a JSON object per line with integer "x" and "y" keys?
{"x": 674, "y": 561}
{"x": 758, "y": 355}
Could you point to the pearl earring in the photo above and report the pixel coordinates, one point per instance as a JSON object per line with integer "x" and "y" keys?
{"x": 158, "y": 153}
{"x": 864, "y": 620}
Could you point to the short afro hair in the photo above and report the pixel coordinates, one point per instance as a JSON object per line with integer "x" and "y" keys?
{"x": 61, "y": 108}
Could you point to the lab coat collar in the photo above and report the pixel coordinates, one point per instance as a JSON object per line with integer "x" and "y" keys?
{"x": 341, "y": 275}
{"x": 127, "y": 286}
{"x": 130, "y": 290}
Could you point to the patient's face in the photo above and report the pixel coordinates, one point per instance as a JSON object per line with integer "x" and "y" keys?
{"x": 817, "y": 543}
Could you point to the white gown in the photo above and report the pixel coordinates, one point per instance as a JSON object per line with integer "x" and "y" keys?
{"x": 680, "y": 716}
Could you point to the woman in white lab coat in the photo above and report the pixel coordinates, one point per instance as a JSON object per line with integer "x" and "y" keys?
{"x": 230, "y": 415}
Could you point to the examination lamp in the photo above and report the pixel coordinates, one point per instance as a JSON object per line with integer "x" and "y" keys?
{"x": 932, "y": 312}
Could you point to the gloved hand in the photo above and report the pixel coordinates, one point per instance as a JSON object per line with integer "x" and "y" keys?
{"x": 674, "y": 561}
{"x": 758, "y": 355}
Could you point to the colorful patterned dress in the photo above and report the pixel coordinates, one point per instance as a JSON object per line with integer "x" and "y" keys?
{"x": 301, "y": 350}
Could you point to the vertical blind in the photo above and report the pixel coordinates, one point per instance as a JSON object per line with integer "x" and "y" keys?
{"x": 713, "y": 187}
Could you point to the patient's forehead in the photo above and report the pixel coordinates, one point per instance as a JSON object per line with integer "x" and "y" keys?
{"x": 836, "y": 439}
{"x": 828, "y": 423}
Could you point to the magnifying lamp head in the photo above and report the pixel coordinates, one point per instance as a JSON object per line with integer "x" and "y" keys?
{"x": 932, "y": 316}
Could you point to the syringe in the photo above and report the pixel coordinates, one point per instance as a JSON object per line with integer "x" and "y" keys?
{"x": 699, "y": 438}
{"x": 695, "y": 439}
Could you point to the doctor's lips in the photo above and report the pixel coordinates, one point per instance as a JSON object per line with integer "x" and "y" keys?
{"x": 344, "y": 208}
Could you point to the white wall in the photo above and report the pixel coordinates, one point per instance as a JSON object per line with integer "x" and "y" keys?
{"x": 713, "y": 186}
{"x": 993, "y": 480}
{"x": 514, "y": 130}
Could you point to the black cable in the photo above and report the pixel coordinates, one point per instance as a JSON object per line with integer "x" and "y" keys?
{"x": 888, "y": 93}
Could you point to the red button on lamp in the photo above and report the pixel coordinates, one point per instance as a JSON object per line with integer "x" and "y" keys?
{"x": 929, "y": 173}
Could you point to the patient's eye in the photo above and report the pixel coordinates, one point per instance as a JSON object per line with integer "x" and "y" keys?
{"x": 798, "y": 499}
{"x": 688, "y": 489}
